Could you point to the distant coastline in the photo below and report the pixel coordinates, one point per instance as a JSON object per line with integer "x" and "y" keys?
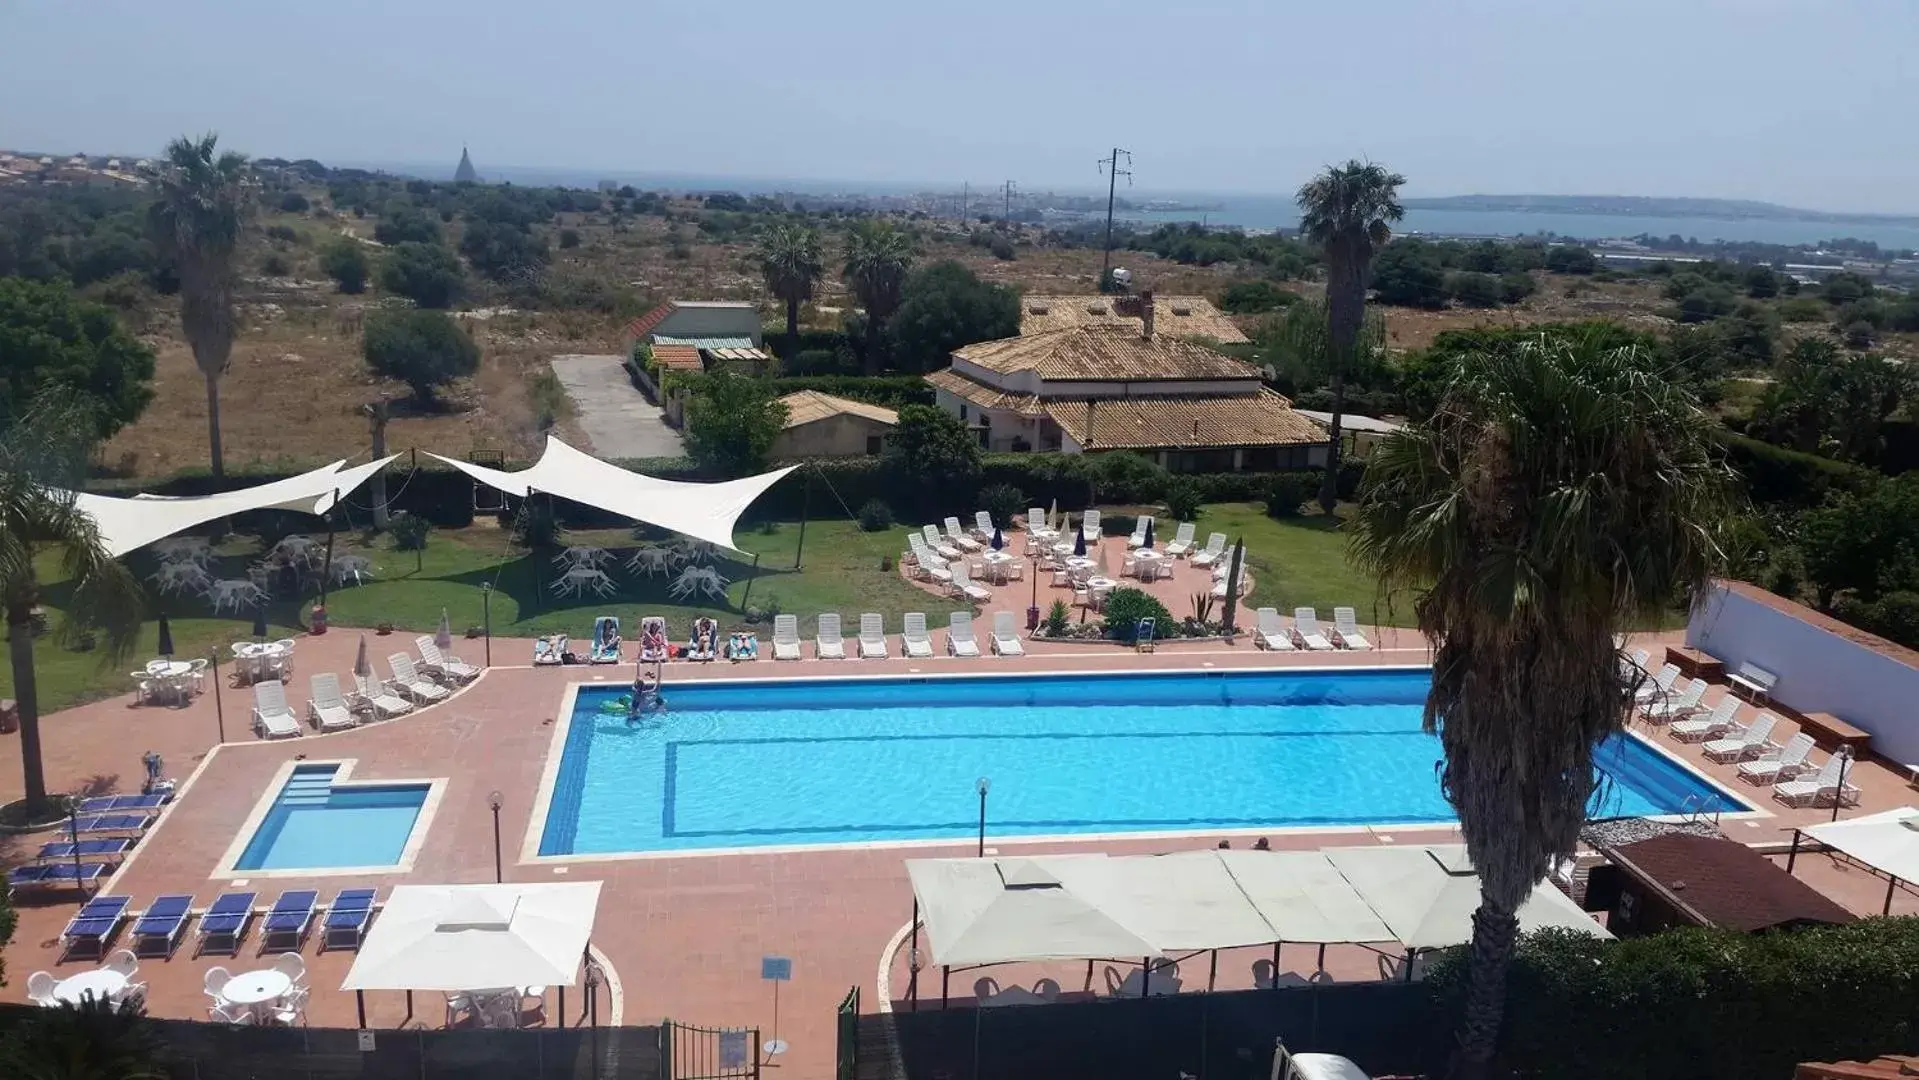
{"x": 1650, "y": 206}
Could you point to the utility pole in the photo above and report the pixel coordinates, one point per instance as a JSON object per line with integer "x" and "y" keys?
{"x": 966, "y": 196}
{"x": 1011, "y": 189}
{"x": 1111, "y": 166}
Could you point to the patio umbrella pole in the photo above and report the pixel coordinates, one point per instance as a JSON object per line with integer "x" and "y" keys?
{"x": 1275, "y": 985}
{"x": 806, "y": 505}
{"x": 219, "y": 711}
{"x": 946, "y": 977}
{"x": 1792, "y": 853}
{"x": 409, "y": 1008}
{"x": 1891, "y": 884}
{"x": 1145, "y": 975}
{"x": 748, "y": 594}
{"x": 326, "y": 564}
{"x": 562, "y": 1008}
{"x": 359, "y": 996}
{"x": 1212, "y": 969}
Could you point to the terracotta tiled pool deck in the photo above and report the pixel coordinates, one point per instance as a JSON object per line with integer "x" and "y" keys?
{"x": 684, "y": 933}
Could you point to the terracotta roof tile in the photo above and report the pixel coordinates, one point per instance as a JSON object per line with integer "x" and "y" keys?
{"x": 806, "y": 406}
{"x": 1188, "y": 316}
{"x": 644, "y": 325}
{"x": 1725, "y": 882}
{"x": 982, "y": 396}
{"x": 678, "y": 357}
{"x": 1104, "y": 352}
{"x": 1184, "y": 420}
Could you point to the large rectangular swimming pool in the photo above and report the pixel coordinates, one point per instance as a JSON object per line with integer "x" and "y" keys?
{"x": 843, "y": 761}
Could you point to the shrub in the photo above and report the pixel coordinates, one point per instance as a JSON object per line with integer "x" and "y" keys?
{"x": 275, "y": 265}
{"x": 1570, "y": 259}
{"x": 875, "y": 515}
{"x": 1516, "y": 286}
{"x": 427, "y": 274}
{"x": 1254, "y": 298}
{"x": 422, "y": 348}
{"x": 1860, "y": 334}
{"x": 294, "y": 203}
{"x": 1117, "y": 524}
{"x": 346, "y": 263}
{"x": 409, "y": 531}
{"x": 1126, "y": 607}
{"x": 1802, "y": 309}
{"x": 1182, "y": 499}
{"x": 1774, "y": 474}
{"x": 1286, "y": 493}
{"x": 1001, "y": 502}
{"x": 1474, "y": 290}
{"x": 285, "y": 234}
{"x": 1058, "y": 617}
{"x": 1123, "y": 476}
{"x": 569, "y": 238}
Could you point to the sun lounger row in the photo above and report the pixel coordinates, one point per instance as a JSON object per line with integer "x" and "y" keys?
{"x": 223, "y": 925}
{"x": 332, "y": 709}
{"x": 1271, "y": 632}
{"x": 1749, "y": 745}
{"x": 829, "y": 641}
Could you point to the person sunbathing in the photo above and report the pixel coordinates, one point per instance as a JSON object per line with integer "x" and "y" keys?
{"x": 653, "y": 643}
{"x": 702, "y": 647}
{"x": 742, "y": 645}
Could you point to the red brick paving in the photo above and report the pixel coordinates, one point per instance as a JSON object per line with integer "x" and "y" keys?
{"x": 684, "y": 933}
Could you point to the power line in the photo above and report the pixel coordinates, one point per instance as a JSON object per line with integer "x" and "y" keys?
{"x": 1111, "y": 166}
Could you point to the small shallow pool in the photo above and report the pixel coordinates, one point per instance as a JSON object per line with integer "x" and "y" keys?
{"x": 314, "y": 824}
{"x": 838, "y": 761}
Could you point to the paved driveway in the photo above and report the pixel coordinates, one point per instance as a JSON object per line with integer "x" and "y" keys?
{"x": 617, "y": 418}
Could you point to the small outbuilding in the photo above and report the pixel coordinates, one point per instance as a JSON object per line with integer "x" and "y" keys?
{"x": 1684, "y": 879}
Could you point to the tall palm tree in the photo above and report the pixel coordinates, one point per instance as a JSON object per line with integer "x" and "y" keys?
{"x": 878, "y": 257}
{"x": 1348, "y": 212}
{"x": 94, "y": 1040}
{"x": 1562, "y": 491}
{"x": 204, "y": 197}
{"x": 792, "y": 262}
{"x": 43, "y": 456}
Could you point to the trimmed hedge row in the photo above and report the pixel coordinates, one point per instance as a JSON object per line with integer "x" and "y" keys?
{"x": 839, "y": 487}
{"x": 1775, "y": 475}
{"x": 1693, "y": 1003}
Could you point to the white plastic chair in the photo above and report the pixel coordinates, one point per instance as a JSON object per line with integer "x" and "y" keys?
{"x": 291, "y": 965}
{"x": 917, "y": 641}
{"x": 829, "y": 643}
{"x": 957, "y": 536}
{"x": 1785, "y": 764}
{"x": 959, "y": 635}
{"x": 1005, "y": 635}
{"x": 1271, "y": 633}
{"x": 872, "y": 636}
{"x": 216, "y": 981}
{"x": 271, "y": 716}
{"x": 786, "y": 637}
{"x": 123, "y": 963}
{"x": 1306, "y": 630}
{"x": 40, "y": 986}
{"x": 1210, "y": 554}
{"x": 1181, "y": 545}
{"x": 1750, "y": 742}
{"x": 1138, "y": 539}
{"x": 327, "y": 707}
{"x": 1346, "y": 633}
{"x": 407, "y": 680}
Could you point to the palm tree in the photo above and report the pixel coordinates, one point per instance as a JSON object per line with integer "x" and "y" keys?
{"x": 197, "y": 221}
{"x": 1348, "y": 211}
{"x": 42, "y": 459}
{"x": 1562, "y": 491}
{"x": 95, "y": 1040}
{"x": 792, "y": 263}
{"x": 878, "y": 257}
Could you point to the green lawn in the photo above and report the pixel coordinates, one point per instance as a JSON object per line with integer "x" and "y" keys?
{"x": 1294, "y": 562}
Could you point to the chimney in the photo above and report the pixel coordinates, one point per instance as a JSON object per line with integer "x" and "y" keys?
{"x": 1146, "y": 313}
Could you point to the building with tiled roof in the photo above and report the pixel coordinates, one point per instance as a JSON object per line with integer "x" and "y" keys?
{"x": 822, "y": 425}
{"x": 1684, "y": 879}
{"x": 1178, "y": 316}
{"x": 732, "y": 319}
{"x": 1099, "y": 387}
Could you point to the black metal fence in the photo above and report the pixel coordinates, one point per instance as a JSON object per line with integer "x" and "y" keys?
{"x": 846, "y": 1058}
{"x": 1384, "y": 1027}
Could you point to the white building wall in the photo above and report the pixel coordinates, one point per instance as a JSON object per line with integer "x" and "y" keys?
{"x": 1818, "y": 670}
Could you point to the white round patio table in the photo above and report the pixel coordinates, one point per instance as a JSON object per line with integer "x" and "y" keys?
{"x": 1079, "y": 563}
{"x": 1148, "y": 562}
{"x": 257, "y": 988}
{"x": 168, "y": 669}
{"x": 99, "y": 983}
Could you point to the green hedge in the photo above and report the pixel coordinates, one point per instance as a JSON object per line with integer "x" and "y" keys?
{"x": 444, "y": 496}
{"x": 1693, "y": 1003}
{"x": 1775, "y": 475}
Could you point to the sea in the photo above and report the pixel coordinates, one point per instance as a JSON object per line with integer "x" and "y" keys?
{"x": 1255, "y": 213}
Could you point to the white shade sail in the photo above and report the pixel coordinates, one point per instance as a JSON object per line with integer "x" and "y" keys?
{"x": 1426, "y": 895}
{"x": 477, "y": 937}
{"x": 1182, "y": 902}
{"x": 1887, "y": 841}
{"x": 1303, "y": 897}
{"x": 984, "y": 911}
{"x": 128, "y": 524}
{"x": 702, "y": 511}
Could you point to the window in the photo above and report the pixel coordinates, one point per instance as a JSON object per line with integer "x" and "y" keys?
{"x": 874, "y": 444}
{"x": 962, "y": 410}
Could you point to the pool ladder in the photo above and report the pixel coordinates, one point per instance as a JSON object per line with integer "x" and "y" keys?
{"x": 1694, "y": 809}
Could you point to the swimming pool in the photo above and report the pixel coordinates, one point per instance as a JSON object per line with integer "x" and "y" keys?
{"x": 837, "y": 761}
{"x": 314, "y": 825}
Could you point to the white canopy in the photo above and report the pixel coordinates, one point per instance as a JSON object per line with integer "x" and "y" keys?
{"x": 1303, "y": 897}
{"x": 1887, "y": 841}
{"x": 984, "y": 911}
{"x": 1426, "y": 895}
{"x": 1183, "y": 902}
{"x": 702, "y": 511}
{"x": 128, "y": 524}
{"x": 477, "y": 937}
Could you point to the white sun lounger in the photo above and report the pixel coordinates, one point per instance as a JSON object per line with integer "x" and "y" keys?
{"x": 377, "y": 699}
{"x": 1672, "y": 707}
{"x": 1089, "y": 524}
{"x": 872, "y": 636}
{"x": 271, "y": 717}
{"x": 964, "y": 585}
{"x": 1036, "y": 522}
{"x": 1783, "y": 764}
{"x": 957, "y": 536}
{"x": 327, "y": 708}
{"x": 786, "y": 637}
{"x": 914, "y": 637}
{"x": 938, "y": 543}
{"x": 407, "y": 680}
{"x": 1710, "y": 726}
{"x": 1215, "y": 547}
{"x": 445, "y": 665}
{"x": 1271, "y": 632}
{"x": 959, "y": 635}
{"x": 1181, "y": 545}
{"x": 1822, "y": 789}
{"x": 1657, "y": 686}
{"x": 1749, "y": 743}
{"x": 1306, "y": 630}
{"x": 1346, "y": 630}
{"x": 983, "y": 526}
{"x": 830, "y": 642}
{"x": 1006, "y": 636}
{"x": 1138, "y": 539}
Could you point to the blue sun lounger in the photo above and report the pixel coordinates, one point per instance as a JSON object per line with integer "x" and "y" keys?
{"x": 347, "y": 919}
{"x": 93, "y": 925}
{"x": 104, "y": 823}
{"x": 225, "y": 922}
{"x": 159, "y": 928}
{"x": 121, "y": 804}
{"x": 86, "y": 849}
{"x": 58, "y": 875}
{"x": 289, "y": 920}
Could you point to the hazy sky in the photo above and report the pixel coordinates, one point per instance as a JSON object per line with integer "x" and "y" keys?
{"x": 1808, "y": 102}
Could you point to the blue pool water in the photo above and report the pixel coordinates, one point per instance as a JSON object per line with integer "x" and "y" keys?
{"x": 849, "y": 761}
{"x": 313, "y": 825}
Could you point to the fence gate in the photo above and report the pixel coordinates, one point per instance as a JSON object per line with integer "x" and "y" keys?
{"x": 486, "y": 498}
{"x": 699, "y": 1053}
{"x": 847, "y": 1057}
